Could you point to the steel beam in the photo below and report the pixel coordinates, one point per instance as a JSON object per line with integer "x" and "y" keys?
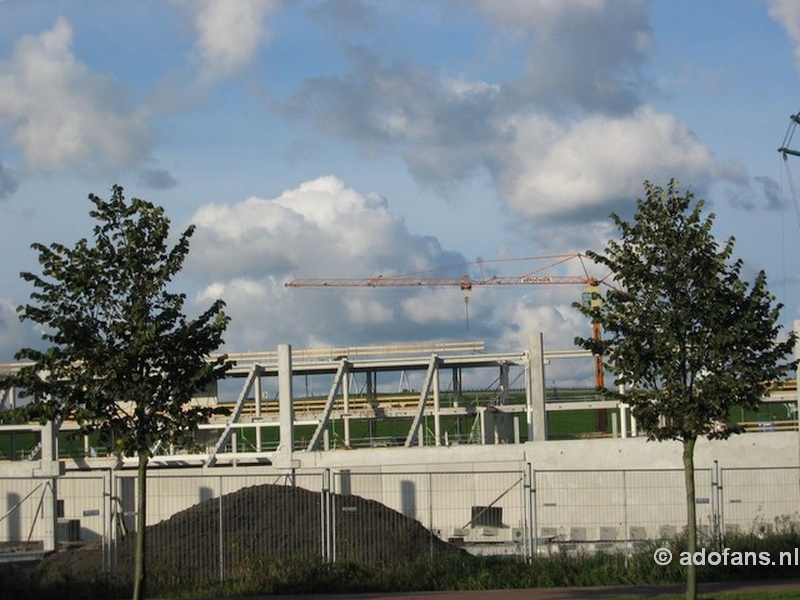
{"x": 433, "y": 366}
{"x": 255, "y": 371}
{"x": 326, "y": 411}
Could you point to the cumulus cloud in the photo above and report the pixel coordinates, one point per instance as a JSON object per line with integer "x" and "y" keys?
{"x": 63, "y": 115}
{"x": 229, "y": 32}
{"x": 787, "y": 12}
{"x": 439, "y": 124}
{"x": 551, "y": 170}
{"x": 244, "y": 253}
{"x": 528, "y": 316}
{"x": 585, "y": 54}
{"x": 570, "y": 133}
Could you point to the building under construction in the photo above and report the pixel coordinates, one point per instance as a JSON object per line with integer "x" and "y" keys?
{"x": 470, "y": 443}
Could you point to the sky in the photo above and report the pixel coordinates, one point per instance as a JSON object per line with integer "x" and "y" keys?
{"x": 351, "y": 138}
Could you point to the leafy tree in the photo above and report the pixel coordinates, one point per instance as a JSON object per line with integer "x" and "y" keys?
{"x": 683, "y": 331}
{"x": 123, "y": 359}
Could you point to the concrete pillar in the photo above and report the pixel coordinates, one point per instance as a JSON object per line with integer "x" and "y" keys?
{"x": 285, "y": 405}
{"x": 504, "y": 383}
{"x": 536, "y": 411}
{"x": 346, "y": 400}
{"x": 49, "y": 442}
{"x": 257, "y": 397}
{"x": 623, "y": 419}
{"x": 437, "y": 426}
{"x": 486, "y": 426}
{"x": 456, "y": 386}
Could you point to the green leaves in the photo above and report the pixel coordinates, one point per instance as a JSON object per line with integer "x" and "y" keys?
{"x": 681, "y": 328}
{"x": 124, "y": 359}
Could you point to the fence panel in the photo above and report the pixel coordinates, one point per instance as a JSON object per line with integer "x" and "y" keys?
{"x": 577, "y": 508}
{"x": 215, "y": 526}
{"x": 83, "y": 508}
{"x": 385, "y": 517}
{"x": 605, "y": 510}
{"x": 482, "y": 511}
{"x": 656, "y": 503}
{"x": 21, "y": 525}
{"x": 760, "y": 501}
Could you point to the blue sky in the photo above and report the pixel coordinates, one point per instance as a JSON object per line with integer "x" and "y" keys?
{"x": 354, "y": 137}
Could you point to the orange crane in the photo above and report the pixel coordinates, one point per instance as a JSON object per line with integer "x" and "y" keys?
{"x": 590, "y": 294}
{"x": 465, "y": 282}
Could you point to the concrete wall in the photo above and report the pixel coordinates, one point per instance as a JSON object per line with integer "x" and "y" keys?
{"x": 556, "y": 492}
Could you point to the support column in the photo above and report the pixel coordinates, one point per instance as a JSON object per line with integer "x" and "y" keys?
{"x": 456, "y": 386}
{"x": 257, "y": 397}
{"x": 49, "y": 442}
{"x": 504, "y": 383}
{"x": 285, "y": 406}
{"x": 536, "y": 411}
{"x": 623, "y": 419}
{"x": 437, "y": 426}
{"x": 346, "y": 416}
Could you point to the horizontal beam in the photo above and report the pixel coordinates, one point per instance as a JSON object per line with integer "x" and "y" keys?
{"x": 465, "y": 283}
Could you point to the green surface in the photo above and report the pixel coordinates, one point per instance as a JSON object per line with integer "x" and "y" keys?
{"x": 561, "y": 425}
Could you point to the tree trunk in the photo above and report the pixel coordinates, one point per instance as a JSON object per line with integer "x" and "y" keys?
{"x": 691, "y": 517}
{"x": 140, "y": 574}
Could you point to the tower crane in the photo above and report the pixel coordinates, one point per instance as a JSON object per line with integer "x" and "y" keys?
{"x": 786, "y": 150}
{"x": 590, "y": 295}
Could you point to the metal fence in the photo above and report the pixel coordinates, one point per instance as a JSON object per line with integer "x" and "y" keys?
{"x": 214, "y": 527}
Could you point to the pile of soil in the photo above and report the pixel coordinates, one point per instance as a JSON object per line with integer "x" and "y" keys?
{"x": 257, "y": 524}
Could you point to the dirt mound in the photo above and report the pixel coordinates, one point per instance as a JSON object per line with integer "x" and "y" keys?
{"x": 217, "y": 537}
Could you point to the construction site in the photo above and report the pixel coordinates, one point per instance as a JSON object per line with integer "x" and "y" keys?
{"x": 490, "y": 452}
{"x": 488, "y": 465}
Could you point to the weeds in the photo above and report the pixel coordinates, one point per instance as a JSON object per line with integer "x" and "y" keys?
{"x": 449, "y": 570}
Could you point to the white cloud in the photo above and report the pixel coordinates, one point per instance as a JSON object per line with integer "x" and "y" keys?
{"x": 559, "y": 324}
{"x": 245, "y": 252}
{"x": 570, "y": 133}
{"x": 14, "y": 334}
{"x": 787, "y": 12}
{"x": 551, "y": 170}
{"x": 584, "y": 54}
{"x": 321, "y": 228}
{"x": 365, "y": 311}
{"x": 436, "y": 305}
{"x": 63, "y": 115}
{"x": 229, "y": 32}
